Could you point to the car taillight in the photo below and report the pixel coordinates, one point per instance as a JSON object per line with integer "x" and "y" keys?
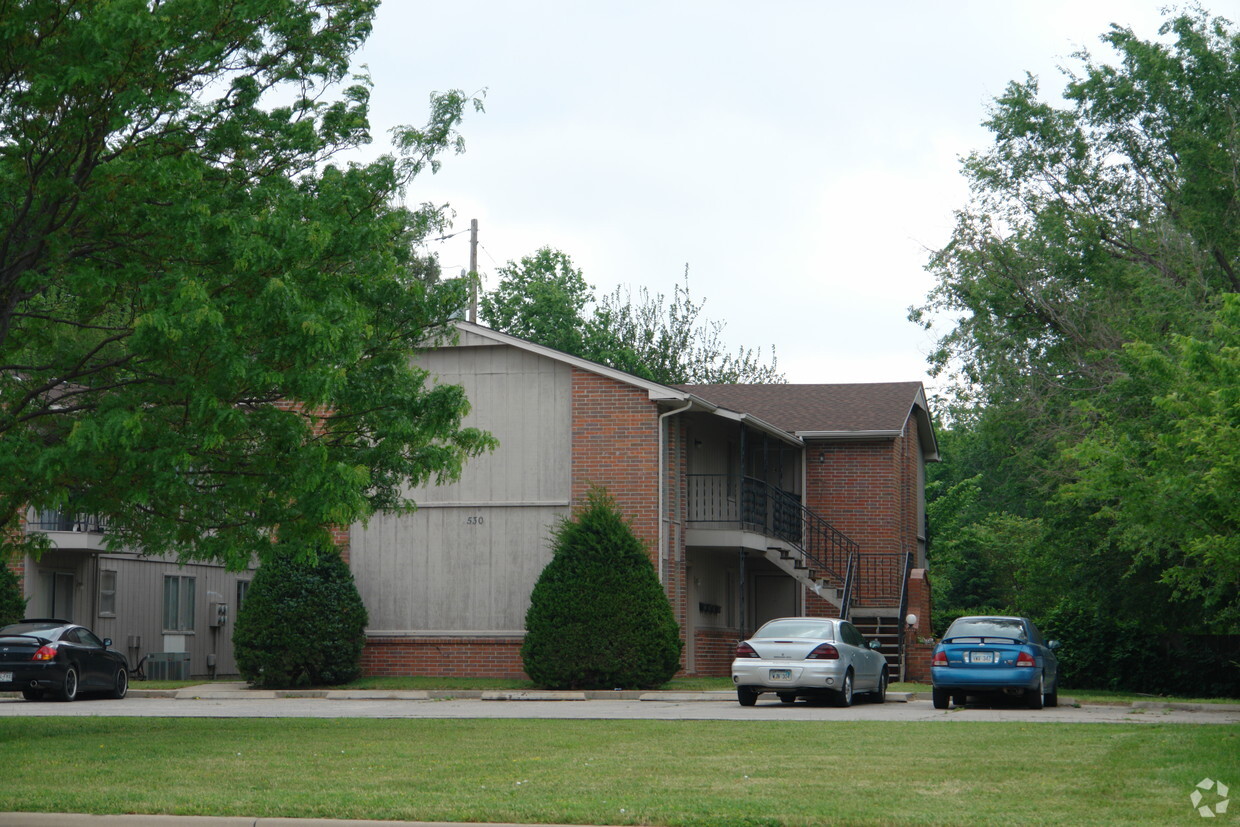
{"x": 824, "y": 651}
{"x": 1025, "y": 659}
{"x": 940, "y": 659}
{"x": 46, "y": 652}
{"x": 744, "y": 650}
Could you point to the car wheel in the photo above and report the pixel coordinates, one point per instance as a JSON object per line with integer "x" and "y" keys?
{"x": 787, "y": 697}
{"x": 845, "y": 696}
{"x": 746, "y": 696}
{"x": 880, "y": 694}
{"x": 1034, "y": 696}
{"x": 940, "y": 697}
{"x": 1051, "y": 698}
{"x": 70, "y": 689}
{"x": 32, "y": 694}
{"x": 120, "y": 686}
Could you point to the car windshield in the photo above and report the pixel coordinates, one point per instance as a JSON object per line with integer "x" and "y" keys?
{"x": 1008, "y": 627}
{"x": 816, "y": 629}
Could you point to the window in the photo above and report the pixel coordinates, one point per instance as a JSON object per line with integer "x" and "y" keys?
{"x": 87, "y": 638}
{"x": 178, "y": 603}
{"x": 243, "y": 588}
{"x": 107, "y": 593}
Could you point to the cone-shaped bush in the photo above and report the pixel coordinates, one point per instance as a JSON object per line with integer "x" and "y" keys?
{"x": 598, "y": 618}
{"x": 12, "y": 604}
{"x": 302, "y": 624}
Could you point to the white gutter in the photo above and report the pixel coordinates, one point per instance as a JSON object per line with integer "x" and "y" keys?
{"x": 663, "y": 517}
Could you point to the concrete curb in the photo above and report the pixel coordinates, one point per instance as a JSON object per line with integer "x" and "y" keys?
{"x": 215, "y": 692}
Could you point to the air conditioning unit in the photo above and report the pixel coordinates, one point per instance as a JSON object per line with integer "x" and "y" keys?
{"x": 167, "y": 666}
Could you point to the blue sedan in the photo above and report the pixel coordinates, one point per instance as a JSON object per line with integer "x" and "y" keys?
{"x": 987, "y": 655}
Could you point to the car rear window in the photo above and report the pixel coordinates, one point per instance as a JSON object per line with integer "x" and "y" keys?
{"x": 28, "y": 628}
{"x": 815, "y": 629}
{"x": 980, "y": 627}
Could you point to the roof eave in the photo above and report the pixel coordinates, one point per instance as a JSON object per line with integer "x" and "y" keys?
{"x": 849, "y": 435}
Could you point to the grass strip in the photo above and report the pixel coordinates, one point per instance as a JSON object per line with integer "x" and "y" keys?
{"x": 615, "y": 772}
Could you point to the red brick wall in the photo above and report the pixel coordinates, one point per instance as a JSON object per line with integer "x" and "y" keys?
{"x": 919, "y": 603}
{"x": 868, "y": 490}
{"x": 498, "y": 657}
{"x": 616, "y": 446}
{"x": 816, "y": 606}
{"x": 917, "y": 662}
{"x": 714, "y": 650}
{"x": 340, "y": 536}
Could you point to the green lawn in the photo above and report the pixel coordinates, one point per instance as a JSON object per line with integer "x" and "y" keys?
{"x": 615, "y": 772}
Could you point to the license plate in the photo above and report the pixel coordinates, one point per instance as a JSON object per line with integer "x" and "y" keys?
{"x": 981, "y": 657}
{"x": 6, "y": 677}
{"x": 781, "y": 674}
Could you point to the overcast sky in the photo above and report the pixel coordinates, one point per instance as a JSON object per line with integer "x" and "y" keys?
{"x": 801, "y": 157}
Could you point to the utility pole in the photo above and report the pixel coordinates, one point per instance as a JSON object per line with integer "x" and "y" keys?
{"x": 473, "y": 270}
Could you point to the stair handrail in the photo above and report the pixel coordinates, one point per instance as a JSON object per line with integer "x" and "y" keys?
{"x": 846, "y": 597}
{"x": 908, "y": 569}
{"x": 784, "y": 516}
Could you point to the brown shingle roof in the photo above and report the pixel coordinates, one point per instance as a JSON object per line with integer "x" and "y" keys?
{"x": 878, "y": 406}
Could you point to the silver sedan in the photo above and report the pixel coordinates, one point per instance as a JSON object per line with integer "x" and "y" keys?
{"x": 809, "y": 657}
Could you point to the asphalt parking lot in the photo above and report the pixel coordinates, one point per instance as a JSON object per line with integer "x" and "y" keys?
{"x": 216, "y": 701}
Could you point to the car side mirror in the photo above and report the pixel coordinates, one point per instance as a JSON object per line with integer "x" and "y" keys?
{"x": 1052, "y": 644}
{"x": 875, "y": 645}
{"x": 107, "y": 641}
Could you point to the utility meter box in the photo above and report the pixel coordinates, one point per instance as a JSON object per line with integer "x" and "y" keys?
{"x": 217, "y": 614}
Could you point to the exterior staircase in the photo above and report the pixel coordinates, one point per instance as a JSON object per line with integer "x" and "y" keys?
{"x": 886, "y": 626}
{"x": 797, "y": 564}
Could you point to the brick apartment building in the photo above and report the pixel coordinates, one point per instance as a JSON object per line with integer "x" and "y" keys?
{"x": 755, "y": 501}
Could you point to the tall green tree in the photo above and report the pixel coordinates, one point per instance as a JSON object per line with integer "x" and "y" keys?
{"x": 1089, "y": 283}
{"x": 542, "y": 298}
{"x": 669, "y": 341}
{"x": 189, "y": 281}
{"x": 546, "y": 299}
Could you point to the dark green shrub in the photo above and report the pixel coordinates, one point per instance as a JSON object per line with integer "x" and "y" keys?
{"x": 1103, "y": 651}
{"x": 12, "y": 604}
{"x": 302, "y": 624}
{"x": 598, "y": 618}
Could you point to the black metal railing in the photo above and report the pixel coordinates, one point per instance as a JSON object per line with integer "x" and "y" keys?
{"x": 64, "y": 521}
{"x": 755, "y": 505}
{"x": 849, "y": 593}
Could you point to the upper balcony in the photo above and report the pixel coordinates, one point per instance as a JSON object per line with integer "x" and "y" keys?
{"x": 728, "y": 510}
{"x": 69, "y": 531}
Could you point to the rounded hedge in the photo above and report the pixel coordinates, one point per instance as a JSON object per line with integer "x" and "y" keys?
{"x": 302, "y": 624}
{"x": 598, "y": 618}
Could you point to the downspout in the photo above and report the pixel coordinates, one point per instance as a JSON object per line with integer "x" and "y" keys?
{"x": 663, "y": 540}
{"x": 804, "y": 505}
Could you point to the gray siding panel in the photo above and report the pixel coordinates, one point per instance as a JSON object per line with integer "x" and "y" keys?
{"x": 139, "y": 609}
{"x": 468, "y": 558}
{"x": 452, "y": 568}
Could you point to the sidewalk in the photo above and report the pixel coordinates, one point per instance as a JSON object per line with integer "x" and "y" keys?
{"x": 85, "y": 820}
